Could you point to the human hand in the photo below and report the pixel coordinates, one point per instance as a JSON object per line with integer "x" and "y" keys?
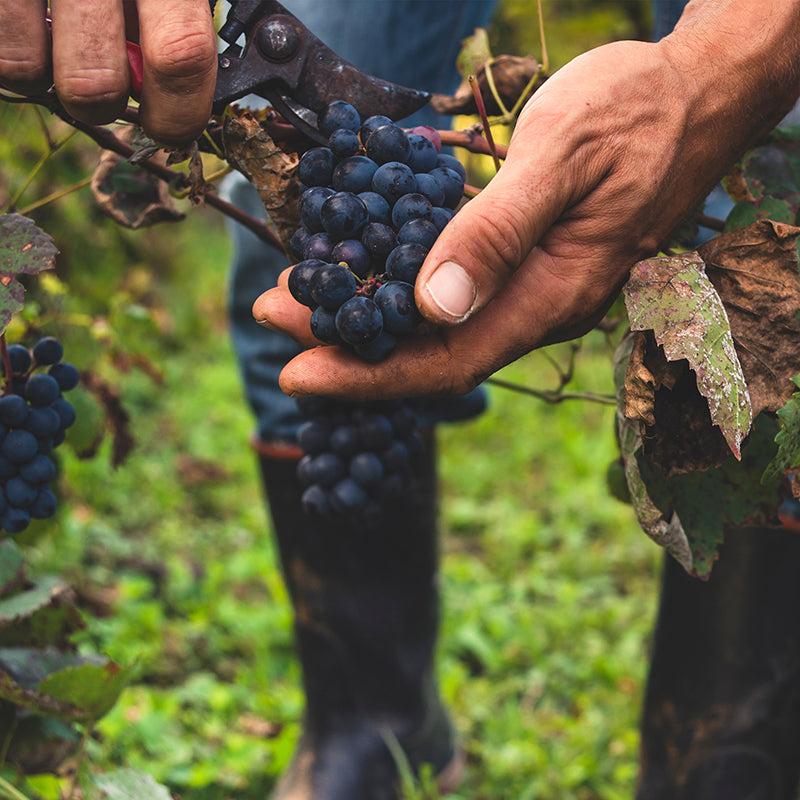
{"x": 606, "y": 159}
{"x": 83, "y": 55}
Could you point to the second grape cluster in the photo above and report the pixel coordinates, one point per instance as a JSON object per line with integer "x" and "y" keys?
{"x": 373, "y": 203}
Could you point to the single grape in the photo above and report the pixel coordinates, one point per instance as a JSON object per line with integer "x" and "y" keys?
{"x": 20, "y": 358}
{"x": 44, "y": 422}
{"x": 47, "y": 351}
{"x": 13, "y": 410}
{"x": 388, "y": 143}
{"x": 347, "y": 496}
{"x": 323, "y": 325}
{"x": 41, "y": 390}
{"x": 428, "y": 186}
{"x": 7, "y": 466}
{"x": 310, "y": 205}
{"x": 314, "y": 501}
{"x": 353, "y": 174}
{"x": 392, "y": 180}
{"x": 343, "y": 216}
{"x": 19, "y": 492}
{"x": 378, "y": 207}
{"x": 15, "y": 520}
{"x": 319, "y": 246}
{"x": 411, "y": 206}
{"x": 338, "y": 114}
{"x": 327, "y": 469}
{"x": 429, "y": 133}
{"x": 376, "y": 432}
{"x": 316, "y": 167}
{"x": 366, "y": 469}
{"x": 422, "y": 157}
{"x": 359, "y": 321}
{"x": 299, "y": 282}
{"x": 395, "y": 457}
{"x": 40, "y": 469}
{"x": 370, "y": 125}
{"x": 313, "y": 436}
{"x": 418, "y": 231}
{"x": 353, "y": 253}
{"x": 19, "y": 446}
{"x": 451, "y": 162}
{"x": 395, "y": 299}
{"x": 404, "y": 262}
{"x": 452, "y": 183}
{"x": 65, "y": 411}
{"x": 441, "y": 216}
{"x": 344, "y": 143}
{"x": 379, "y": 240}
{"x": 65, "y": 374}
{"x": 344, "y": 441}
{"x": 332, "y": 285}
{"x": 298, "y": 241}
{"x": 45, "y": 504}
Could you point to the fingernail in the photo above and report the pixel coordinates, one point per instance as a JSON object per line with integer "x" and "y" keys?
{"x": 452, "y": 290}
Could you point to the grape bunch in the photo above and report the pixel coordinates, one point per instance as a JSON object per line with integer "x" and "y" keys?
{"x": 34, "y": 417}
{"x": 356, "y": 456}
{"x": 373, "y": 203}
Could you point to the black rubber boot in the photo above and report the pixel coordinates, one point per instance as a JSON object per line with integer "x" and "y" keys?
{"x": 722, "y": 711}
{"x": 366, "y": 616}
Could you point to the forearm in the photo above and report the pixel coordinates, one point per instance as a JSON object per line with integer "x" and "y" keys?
{"x": 742, "y": 58}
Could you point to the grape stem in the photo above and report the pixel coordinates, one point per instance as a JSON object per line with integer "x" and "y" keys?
{"x": 554, "y": 395}
{"x": 487, "y": 131}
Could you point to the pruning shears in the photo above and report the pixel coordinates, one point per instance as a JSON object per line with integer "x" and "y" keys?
{"x": 283, "y": 62}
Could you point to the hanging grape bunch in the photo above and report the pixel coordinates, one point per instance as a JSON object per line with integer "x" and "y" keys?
{"x": 356, "y": 455}
{"x": 34, "y": 416}
{"x": 375, "y": 200}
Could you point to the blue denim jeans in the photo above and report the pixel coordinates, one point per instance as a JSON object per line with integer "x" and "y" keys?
{"x": 410, "y": 42}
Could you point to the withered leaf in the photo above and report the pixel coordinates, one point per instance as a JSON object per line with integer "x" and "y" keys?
{"x": 131, "y": 196}
{"x": 511, "y": 75}
{"x": 755, "y": 273}
{"x": 674, "y": 298}
{"x": 273, "y": 172}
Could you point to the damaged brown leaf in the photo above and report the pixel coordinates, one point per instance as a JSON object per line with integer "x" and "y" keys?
{"x": 755, "y": 272}
{"x": 273, "y": 172}
{"x": 131, "y": 196}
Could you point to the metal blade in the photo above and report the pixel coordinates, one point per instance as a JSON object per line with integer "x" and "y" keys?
{"x": 281, "y": 53}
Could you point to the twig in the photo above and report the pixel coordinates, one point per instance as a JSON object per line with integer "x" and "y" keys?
{"x": 712, "y": 223}
{"x": 55, "y": 196}
{"x": 9, "y": 791}
{"x": 471, "y": 140}
{"x": 487, "y": 131}
{"x": 554, "y": 396}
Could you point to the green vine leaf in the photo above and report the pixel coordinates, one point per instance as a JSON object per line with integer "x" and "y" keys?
{"x": 475, "y": 53}
{"x": 674, "y": 298}
{"x": 787, "y": 459}
{"x": 12, "y": 567}
{"x": 24, "y": 249}
{"x": 92, "y": 688}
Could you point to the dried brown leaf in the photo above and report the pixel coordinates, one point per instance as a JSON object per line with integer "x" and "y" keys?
{"x": 755, "y": 272}
{"x": 273, "y": 172}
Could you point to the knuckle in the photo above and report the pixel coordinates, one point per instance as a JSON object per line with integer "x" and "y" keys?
{"x": 23, "y": 72}
{"x": 182, "y": 55}
{"x": 91, "y": 88}
{"x": 499, "y": 235}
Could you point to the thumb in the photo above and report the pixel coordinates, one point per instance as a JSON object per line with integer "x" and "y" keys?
{"x": 481, "y": 247}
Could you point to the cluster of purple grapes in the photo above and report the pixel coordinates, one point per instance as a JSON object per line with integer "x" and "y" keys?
{"x": 356, "y": 455}
{"x": 34, "y": 416}
{"x": 375, "y": 200}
